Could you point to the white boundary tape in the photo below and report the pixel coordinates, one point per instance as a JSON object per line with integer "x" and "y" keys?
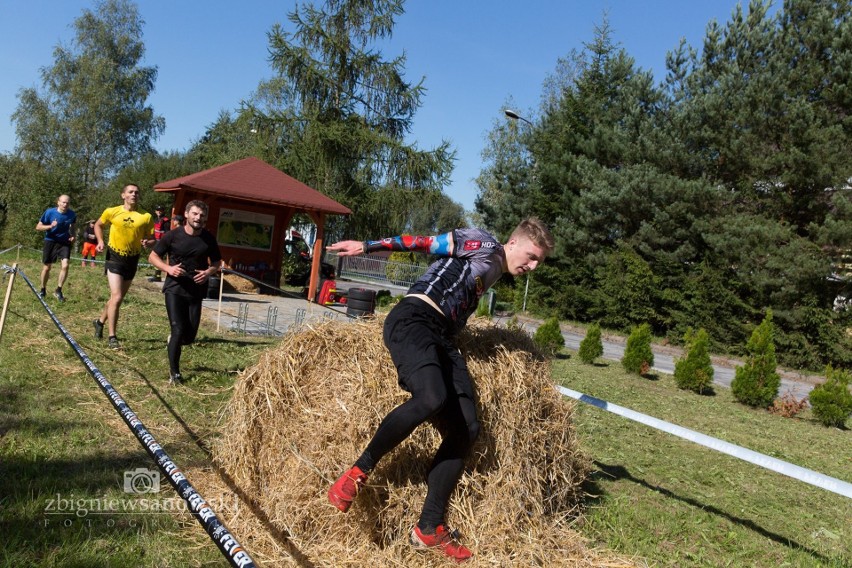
{"x": 790, "y": 470}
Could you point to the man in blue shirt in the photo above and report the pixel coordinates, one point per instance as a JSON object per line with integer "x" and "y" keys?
{"x": 58, "y": 224}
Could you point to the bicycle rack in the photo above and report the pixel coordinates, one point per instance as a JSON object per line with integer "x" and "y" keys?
{"x": 271, "y": 319}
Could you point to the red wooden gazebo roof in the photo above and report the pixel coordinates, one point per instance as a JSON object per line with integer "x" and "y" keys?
{"x": 255, "y": 180}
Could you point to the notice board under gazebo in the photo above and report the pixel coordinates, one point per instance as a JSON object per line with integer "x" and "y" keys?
{"x": 251, "y": 205}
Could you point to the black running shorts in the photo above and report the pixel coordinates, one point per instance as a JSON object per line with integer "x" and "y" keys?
{"x": 416, "y": 335}
{"x": 53, "y": 251}
{"x": 125, "y": 266}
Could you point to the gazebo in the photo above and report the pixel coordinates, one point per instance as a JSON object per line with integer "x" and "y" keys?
{"x": 251, "y": 205}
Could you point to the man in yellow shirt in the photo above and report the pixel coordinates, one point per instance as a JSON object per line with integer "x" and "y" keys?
{"x": 131, "y": 230}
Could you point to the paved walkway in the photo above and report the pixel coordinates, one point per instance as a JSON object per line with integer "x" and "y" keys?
{"x": 263, "y": 314}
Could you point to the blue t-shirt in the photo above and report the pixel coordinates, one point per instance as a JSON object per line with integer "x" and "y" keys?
{"x": 61, "y": 233}
{"x": 457, "y": 282}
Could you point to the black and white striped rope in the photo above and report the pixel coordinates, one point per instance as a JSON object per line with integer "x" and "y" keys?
{"x": 218, "y": 532}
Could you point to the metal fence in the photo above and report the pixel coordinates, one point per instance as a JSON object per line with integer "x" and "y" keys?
{"x": 376, "y": 268}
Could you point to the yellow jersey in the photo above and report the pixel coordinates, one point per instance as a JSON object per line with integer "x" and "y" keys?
{"x": 128, "y": 229}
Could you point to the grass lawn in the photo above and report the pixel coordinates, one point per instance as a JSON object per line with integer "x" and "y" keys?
{"x": 675, "y": 503}
{"x": 64, "y": 451}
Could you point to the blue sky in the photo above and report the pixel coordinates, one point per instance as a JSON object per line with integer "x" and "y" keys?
{"x": 474, "y": 56}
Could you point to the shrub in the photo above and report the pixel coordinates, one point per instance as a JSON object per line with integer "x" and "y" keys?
{"x": 505, "y": 293}
{"x": 293, "y": 270}
{"x": 482, "y": 309}
{"x": 638, "y": 357}
{"x": 383, "y": 298}
{"x": 831, "y": 401}
{"x": 513, "y": 324}
{"x": 591, "y": 347}
{"x": 548, "y": 336}
{"x": 756, "y": 383}
{"x": 694, "y": 372}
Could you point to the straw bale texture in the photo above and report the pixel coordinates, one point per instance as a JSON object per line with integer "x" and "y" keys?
{"x": 306, "y": 410}
{"x": 236, "y": 283}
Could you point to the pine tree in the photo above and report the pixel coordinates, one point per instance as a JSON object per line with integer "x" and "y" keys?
{"x": 831, "y": 401}
{"x": 694, "y": 372}
{"x": 756, "y": 383}
{"x": 592, "y": 346}
{"x": 736, "y": 152}
{"x": 638, "y": 357}
{"x": 340, "y": 114}
{"x": 549, "y": 337}
{"x": 627, "y": 290}
{"x": 759, "y": 110}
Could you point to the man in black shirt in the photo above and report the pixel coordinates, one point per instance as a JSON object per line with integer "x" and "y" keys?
{"x": 420, "y": 335}
{"x": 90, "y": 243}
{"x": 193, "y": 256}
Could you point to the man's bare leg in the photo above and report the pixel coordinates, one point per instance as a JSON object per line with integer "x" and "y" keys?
{"x": 118, "y": 288}
{"x": 45, "y": 274}
{"x": 63, "y": 272}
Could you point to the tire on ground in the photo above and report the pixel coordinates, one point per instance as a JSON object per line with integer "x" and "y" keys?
{"x": 355, "y": 313}
{"x": 360, "y": 304}
{"x": 361, "y": 294}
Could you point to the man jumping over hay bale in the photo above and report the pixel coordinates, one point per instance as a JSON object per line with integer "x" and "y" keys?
{"x": 419, "y": 334}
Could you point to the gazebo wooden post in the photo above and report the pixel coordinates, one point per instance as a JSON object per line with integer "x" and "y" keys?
{"x": 319, "y": 219}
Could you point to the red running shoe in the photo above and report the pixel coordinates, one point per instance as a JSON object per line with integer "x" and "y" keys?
{"x": 444, "y": 540}
{"x": 346, "y": 488}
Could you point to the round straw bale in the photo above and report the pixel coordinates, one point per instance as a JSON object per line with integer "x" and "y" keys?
{"x": 305, "y": 411}
{"x": 239, "y": 284}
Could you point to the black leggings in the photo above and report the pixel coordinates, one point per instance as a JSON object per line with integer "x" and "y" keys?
{"x": 184, "y": 319}
{"x": 455, "y": 418}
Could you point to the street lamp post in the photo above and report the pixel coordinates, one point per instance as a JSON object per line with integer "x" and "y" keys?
{"x": 515, "y": 116}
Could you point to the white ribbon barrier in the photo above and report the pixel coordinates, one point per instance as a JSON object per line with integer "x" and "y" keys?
{"x": 790, "y": 470}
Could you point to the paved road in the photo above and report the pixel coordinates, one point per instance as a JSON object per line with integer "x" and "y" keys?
{"x": 723, "y": 374}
